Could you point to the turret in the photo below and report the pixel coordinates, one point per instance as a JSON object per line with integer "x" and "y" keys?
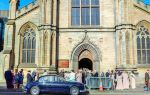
{"x": 13, "y": 8}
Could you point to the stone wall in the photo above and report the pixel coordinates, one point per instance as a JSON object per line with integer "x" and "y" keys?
{"x": 105, "y": 41}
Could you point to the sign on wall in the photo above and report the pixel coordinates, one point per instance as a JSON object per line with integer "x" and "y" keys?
{"x": 63, "y": 63}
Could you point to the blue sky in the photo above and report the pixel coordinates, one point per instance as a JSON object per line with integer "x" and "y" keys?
{"x": 4, "y": 4}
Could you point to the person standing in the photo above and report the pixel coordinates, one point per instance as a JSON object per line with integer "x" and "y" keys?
{"x": 45, "y": 73}
{"x": 107, "y": 74}
{"x": 125, "y": 78}
{"x": 115, "y": 79}
{"x": 21, "y": 77}
{"x": 88, "y": 78}
{"x": 67, "y": 75}
{"x": 33, "y": 75}
{"x": 61, "y": 73}
{"x": 147, "y": 77}
{"x": 84, "y": 76}
{"x": 72, "y": 76}
{"x": 79, "y": 76}
{"x": 108, "y": 82}
{"x": 16, "y": 79}
{"x": 9, "y": 79}
{"x": 94, "y": 79}
{"x": 29, "y": 77}
{"x": 102, "y": 74}
{"x": 132, "y": 80}
{"x": 112, "y": 80}
{"x": 119, "y": 81}
{"x": 12, "y": 81}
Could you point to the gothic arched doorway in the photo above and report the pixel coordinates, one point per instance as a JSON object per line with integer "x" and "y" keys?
{"x": 85, "y": 60}
{"x": 85, "y": 63}
{"x": 85, "y": 53}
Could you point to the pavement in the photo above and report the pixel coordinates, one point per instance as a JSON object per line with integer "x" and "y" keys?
{"x": 138, "y": 91}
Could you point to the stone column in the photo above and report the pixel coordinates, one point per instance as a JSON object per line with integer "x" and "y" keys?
{"x": 134, "y": 46}
{"x": 42, "y": 48}
{"x": 54, "y": 49}
{"x": 131, "y": 47}
{"x": 55, "y": 35}
{"x": 117, "y": 48}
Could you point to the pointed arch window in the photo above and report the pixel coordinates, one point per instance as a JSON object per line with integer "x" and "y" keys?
{"x": 28, "y": 48}
{"x": 143, "y": 46}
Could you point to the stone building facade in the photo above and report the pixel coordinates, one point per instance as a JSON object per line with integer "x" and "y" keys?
{"x": 72, "y": 34}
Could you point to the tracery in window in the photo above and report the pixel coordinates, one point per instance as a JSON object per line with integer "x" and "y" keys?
{"x": 28, "y": 48}
{"x": 143, "y": 46}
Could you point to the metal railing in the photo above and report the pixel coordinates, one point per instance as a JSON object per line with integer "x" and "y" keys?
{"x": 95, "y": 82}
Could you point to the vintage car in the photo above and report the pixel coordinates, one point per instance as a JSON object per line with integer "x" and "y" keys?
{"x": 54, "y": 84}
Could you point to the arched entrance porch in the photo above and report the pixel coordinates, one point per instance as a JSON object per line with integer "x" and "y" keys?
{"x": 85, "y": 55}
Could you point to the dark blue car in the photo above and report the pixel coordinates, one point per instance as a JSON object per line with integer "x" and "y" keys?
{"x": 54, "y": 84}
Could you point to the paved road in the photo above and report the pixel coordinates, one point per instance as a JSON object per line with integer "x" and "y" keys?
{"x": 4, "y": 91}
{"x": 137, "y": 91}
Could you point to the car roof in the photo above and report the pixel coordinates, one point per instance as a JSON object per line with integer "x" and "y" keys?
{"x": 49, "y": 75}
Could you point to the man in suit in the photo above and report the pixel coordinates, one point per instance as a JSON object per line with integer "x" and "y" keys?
{"x": 9, "y": 79}
{"x": 147, "y": 77}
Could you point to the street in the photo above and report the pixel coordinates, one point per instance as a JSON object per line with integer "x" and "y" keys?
{"x": 138, "y": 91}
{"x": 4, "y": 91}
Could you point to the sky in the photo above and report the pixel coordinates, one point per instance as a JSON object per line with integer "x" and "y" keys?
{"x": 4, "y": 4}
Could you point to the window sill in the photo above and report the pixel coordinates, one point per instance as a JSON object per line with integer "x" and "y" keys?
{"x": 143, "y": 65}
{"x": 85, "y": 26}
{"x": 27, "y": 65}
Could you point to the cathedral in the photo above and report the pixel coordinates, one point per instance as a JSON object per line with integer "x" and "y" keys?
{"x": 73, "y": 34}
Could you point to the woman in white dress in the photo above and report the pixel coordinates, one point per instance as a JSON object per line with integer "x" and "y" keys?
{"x": 79, "y": 76}
{"x": 125, "y": 80}
{"x": 119, "y": 81}
{"x": 132, "y": 81}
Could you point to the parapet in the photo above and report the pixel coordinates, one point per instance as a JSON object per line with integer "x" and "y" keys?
{"x": 27, "y": 8}
{"x": 142, "y": 4}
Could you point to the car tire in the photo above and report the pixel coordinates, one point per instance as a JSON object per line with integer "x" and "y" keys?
{"x": 74, "y": 90}
{"x": 35, "y": 90}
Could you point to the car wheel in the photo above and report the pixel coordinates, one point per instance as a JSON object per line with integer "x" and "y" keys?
{"x": 35, "y": 90}
{"x": 74, "y": 90}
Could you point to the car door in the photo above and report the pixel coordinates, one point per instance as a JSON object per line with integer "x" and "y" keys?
{"x": 57, "y": 85}
{"x": 60, "y": 85}
{"x": 44, "y": 84}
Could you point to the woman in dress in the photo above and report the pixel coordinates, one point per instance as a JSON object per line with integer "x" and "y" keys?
{"x": 132, "y": 81}
{"x": 79, "y": 76}
{"x": 125, "y": 80}
{"x": 119, "y": 81}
